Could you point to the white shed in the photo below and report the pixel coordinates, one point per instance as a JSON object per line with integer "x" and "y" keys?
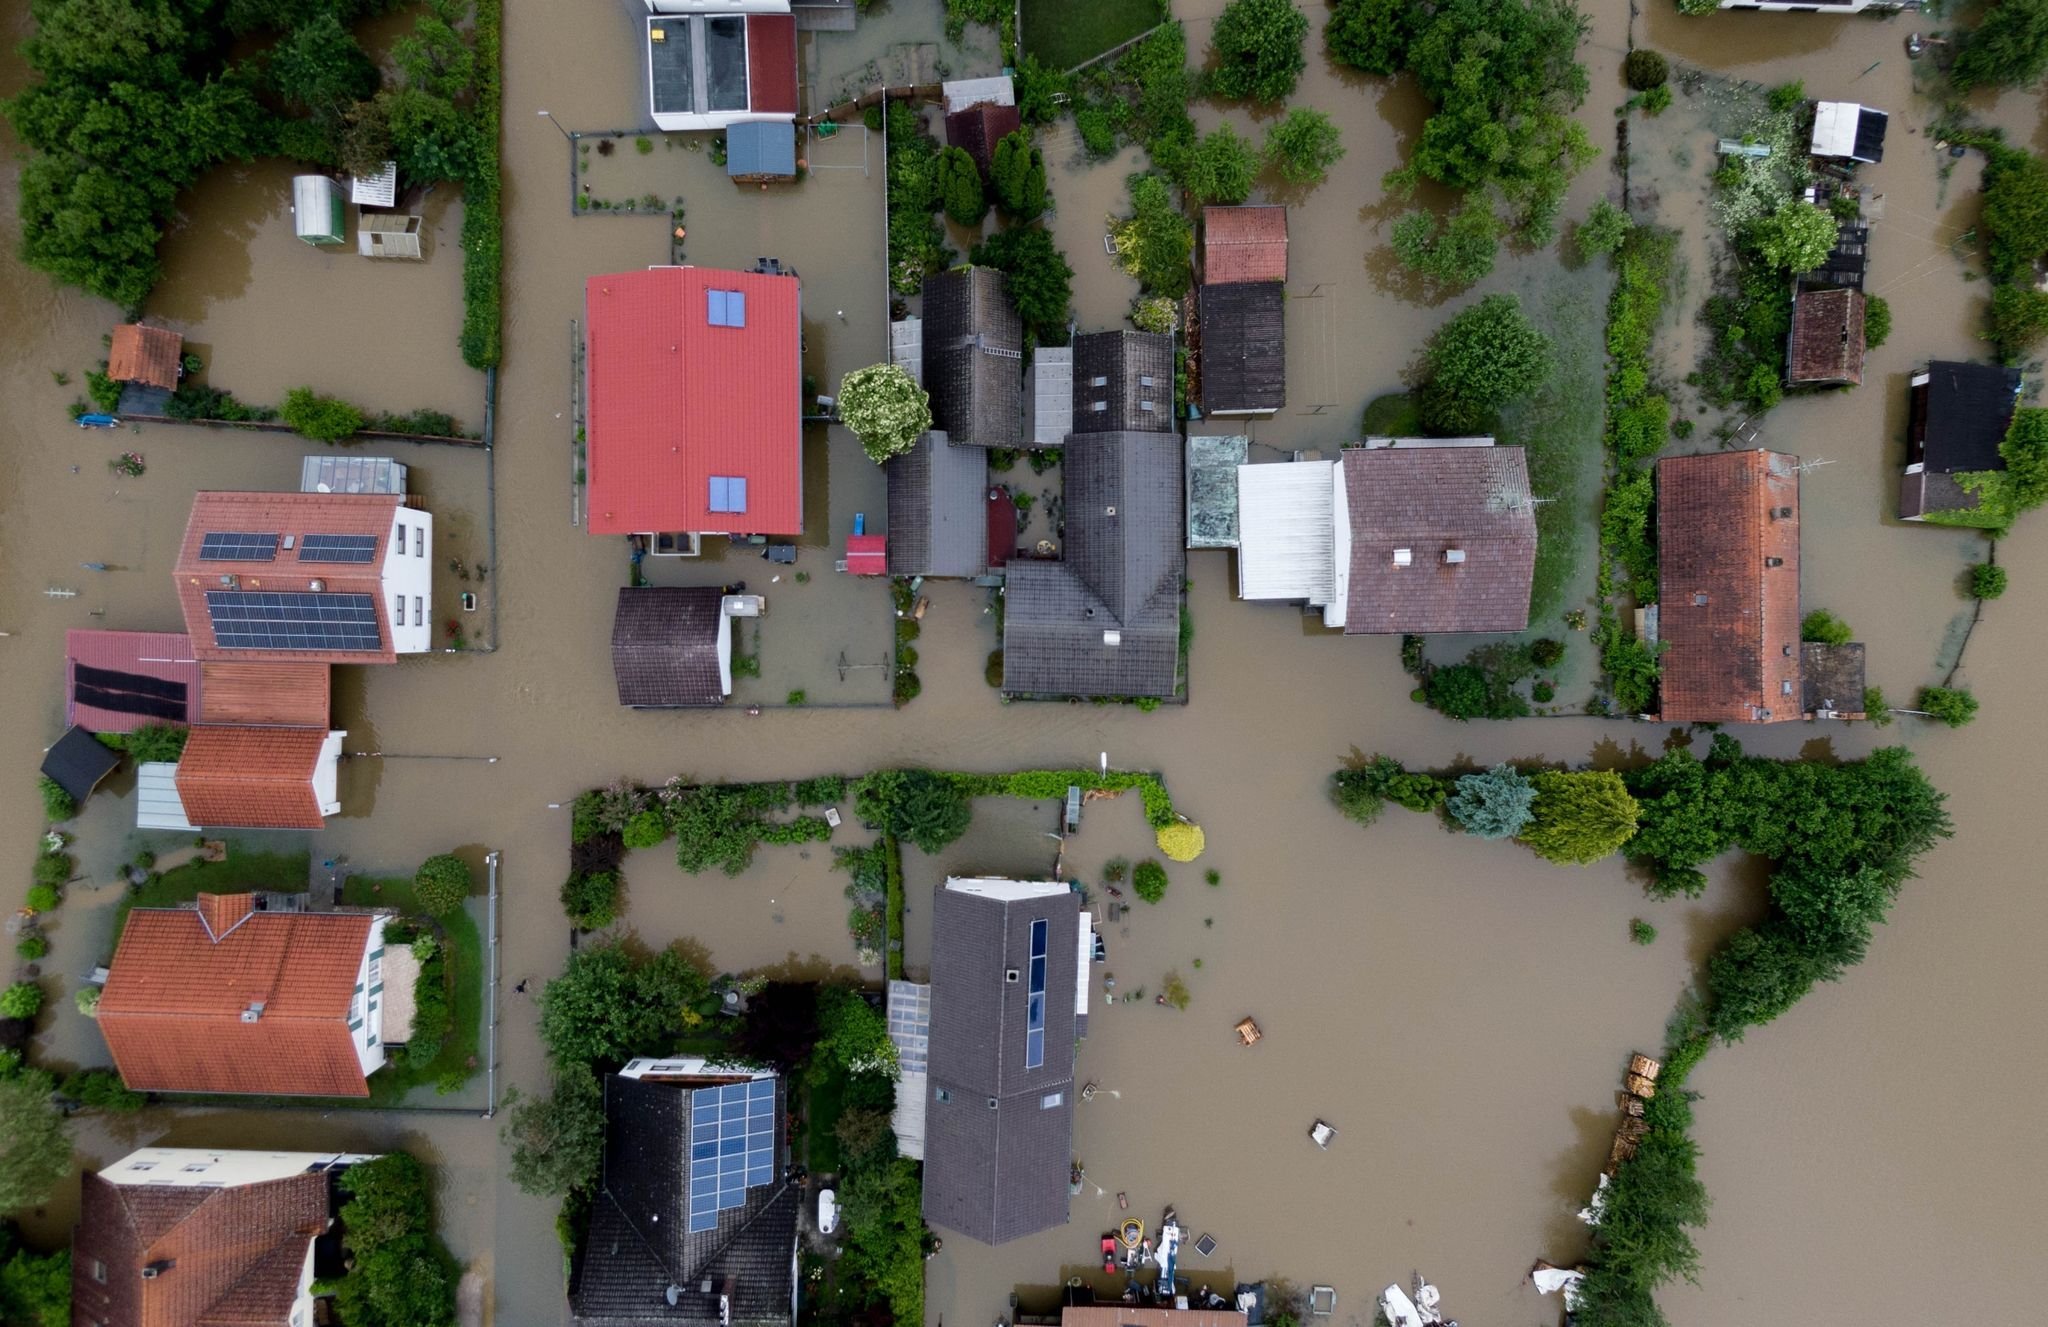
{"x": 318, "y": 215}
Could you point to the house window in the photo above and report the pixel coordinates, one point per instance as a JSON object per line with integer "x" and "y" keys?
{"x": 398, "y": 610}
{"x": 1034, "y": 1035}
{"x": 1051, "y": 1099}
{"x": 944, "y": 1096}
{"x": 728, "y": 493}
{"x": 195, "y": 1167}
{"x": 419, "y": 541}
{"x": 99, "y": 1271}
{"x": 401, "y": 539}
{"x": 419, "y": 611}
{"x": 726, "y": 308}
{"x": 376, "y": 969}
{"x": 143, "y": 1165}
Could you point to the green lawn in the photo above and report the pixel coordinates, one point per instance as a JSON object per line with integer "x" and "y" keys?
{"x": 465, "y": 968}
{"x": 285, "y": 872}
{"x": 1063, "y": 33}
{"x": 823, "y": 1103}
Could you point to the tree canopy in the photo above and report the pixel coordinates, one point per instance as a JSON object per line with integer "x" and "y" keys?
{"x": 35, "y": 1151}
{"x": 1494, "y": 803}
{"x": 399, "y": 1275}
{"x": 1041, "y": 284}
{"x": 2015, "y": 213}
{"x": 918, "y": 806}
{"x": 1258, "y": 49}
{"x": 960, "y": 188}
{"x": 885, "y": 408}
{"x": 1797, "y": 237}
{"x": 1579, "y": 816}
{"x": 1155, "y": 241}
{"x": 1222, "y": 167}
{"x": 1303, "y": 145}
{"x": 1017, "y": 174}
{"x": 557, "y": 1140}
{"x": 2008, "y": 49}
{"x": 1480, "y": 360}
{"x": 608, "y": 1006}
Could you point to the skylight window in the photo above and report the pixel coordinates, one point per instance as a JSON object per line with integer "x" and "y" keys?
{"x": 728, "y": 493}
{"x": 726, "y": 308}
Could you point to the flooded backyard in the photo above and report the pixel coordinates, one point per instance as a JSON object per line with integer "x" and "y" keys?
{"x": 1458, "y": 1009}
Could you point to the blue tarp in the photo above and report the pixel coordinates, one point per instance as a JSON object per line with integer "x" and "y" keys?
{"x": 760, "y": 148}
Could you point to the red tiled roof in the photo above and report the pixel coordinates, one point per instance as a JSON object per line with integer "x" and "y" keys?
{"x": 173, "y": 1005}
{"x": 148, "y": 355}
{"x": 164, "y": 656}
{"x": 1827, "y": 337}
{"x": 979, "y": 128}
{"x": 287, "y": 695}
{"x": 228, "y": 1257}
{"x": 1243, "y": 244}
{"x": 297, "y": 515}
{"x": 251, "y": 778}
{"x": 1431, "y": 502}
{"x": 674, "y": 401}
{"x": 1728, "y": 618}
{"x": 771, "y": 63}
{"x": 867, "y": 554}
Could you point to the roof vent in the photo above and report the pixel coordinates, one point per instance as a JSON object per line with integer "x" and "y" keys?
{"x": 1112, "y": 638}
{"x": 673, "y": 1294}
{"x": 1454, "y": 556}
{"x": 1774, "y": 562}
{"x": 1010, "y": 975}
{"x": 1404, "y": 557}
{"x": 1699, "y": 599}
{"x": 253, "y": 1012}
{"x": 991, "y": 1103}
{"x": 228, "y": 580}
{"x": 1782, "y": 513}
{"x": 151, "y": 1271}
{"x": 1109, "y": 511}
{"x": 289, "y": 541}
{"x": 316, "y": 585}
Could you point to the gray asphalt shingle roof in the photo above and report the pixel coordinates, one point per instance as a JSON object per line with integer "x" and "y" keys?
{"x": 938, "y": 509}
{"x": 1117, "y": 376}
{"x": 665, "y": 646}
{"x": 974, "y": 357}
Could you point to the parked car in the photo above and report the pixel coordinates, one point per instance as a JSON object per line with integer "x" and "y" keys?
{"x": 828, "y": 1211}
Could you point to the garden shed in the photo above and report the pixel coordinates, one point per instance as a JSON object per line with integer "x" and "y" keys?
{"x": 1827, "y": 338}
{"x": 318, "y": 212}
{"x": 78, "y": 762}
{"x": 1845, "y": 130}
{"x": 760, "y": 152}
{"x": 150, "y": 356}
{"x": 379, "y": 190}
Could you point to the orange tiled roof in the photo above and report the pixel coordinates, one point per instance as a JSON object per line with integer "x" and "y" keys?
{"x": 298, "y": 515}
{"x": 148, "y": 355}
{"x": 251, "y": 778}
{"x": 288, "y": 695}
{"x": 173, "y": 1005}
{"x": 1827, "y": 336}
{"x": 1243, "y": 244}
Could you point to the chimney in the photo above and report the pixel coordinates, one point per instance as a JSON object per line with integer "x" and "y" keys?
{"x": 1454, "y": 556}
{"x": 1404, "y": 557}
{"x": 254, "y": 1012}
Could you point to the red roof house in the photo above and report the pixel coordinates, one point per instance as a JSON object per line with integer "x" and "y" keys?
{"x": 259, "y": 777}
{"x": 224, "y": 997}
{"x": 117, "y": 681}
{"x": 148, "y": 355}
{"x": 1243, "y": 244}
{"x": 1728, "y": 596}
{"x": 284, "y": 695}
{"x": 695, "y": 415}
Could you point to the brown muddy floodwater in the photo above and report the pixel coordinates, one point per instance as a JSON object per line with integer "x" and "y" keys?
{"x": 1458, "y": 1010}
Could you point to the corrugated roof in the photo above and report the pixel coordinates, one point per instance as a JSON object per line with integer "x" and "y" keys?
{"x": 148, "y": 355}
{"x": 379, "y": 190}
{"x": 675, "y": 402}
{"x": 1244, "y": 347}
{"x": 1433, "y": 501}
{"x": 1050, "y": 382}
{"x": 1728, "y": 596}
{"x": 117, "y": 681}
{"x": 172, "y": 1011}
{"x": 251, "y": 778}
{"x": 1286, "y": 542}
{"x": 1827, "y": 337}
{"x": 867, "y": 555}
{"x": 157, "y": 805}
{"x": 665, "y": 646}
{"x": 1244, "y": 244}
{"x": 286, "y": 695}
{"x": 331, "y": 473}
{"x": 973, "y": 357}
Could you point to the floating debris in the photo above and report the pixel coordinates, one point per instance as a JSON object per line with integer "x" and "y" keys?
{"x": 1322, "y": 1133}
{"x": 1248, "y": 1031}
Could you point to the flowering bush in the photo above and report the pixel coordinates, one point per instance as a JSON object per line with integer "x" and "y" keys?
{"x": 1182, "y": 841}
{"x": 885, "y": 409}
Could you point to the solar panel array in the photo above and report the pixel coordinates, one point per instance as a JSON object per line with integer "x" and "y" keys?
{"x": 237, "y": 546}
{"x": 337, "y": 547}
{"x": 260, "y": 620}
{"x": 732, "y": 1146}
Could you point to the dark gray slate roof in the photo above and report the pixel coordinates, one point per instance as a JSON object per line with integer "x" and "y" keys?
{"x": 665, "y": 646}
{"x": 1832, "y": 676}
{"x": 1106, "y": 621}
{"x": 1116, "y": 376}
{"x": 974, "y": 358}
{"x": 938, "y": 509}
{"x": 78, "y": 762}
{"x": 1244, "y": 347}
{"x": 998, "y": 1172}
{"x": 639, "y": 1244}
{"x": 1967, "y": 410}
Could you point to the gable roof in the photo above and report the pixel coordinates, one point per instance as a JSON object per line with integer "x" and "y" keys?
{"x": 1244, "y": 347}
{"x": 255, "y": 599}
{"x": 172, "y": 1011}
{"x": 148, "y": 355}
{"x": 225, "y": 1257}
{"x": 1123, "y": 381}
{"x": 1433, "y": 501}
{"x": 665, "y": 646}
{"x": 974, "y": 357}
{"x": 978, "y": 129}
{"x": 1962, "y": 415}
{"x": 1244, "y": 244}
{"x": 251, "y": 777}
{"x": 77, "y": 762}
{"x": 1832, "y": 677}
{"x": 117, "y": 681}
{"x": 639, "y": 1244}
{"x": 998, "y": 1172}
{"x": 1106, "y": 621}
{"x": 675, "y": 402}
{"x": 286, "y": 695}
{"x": 1728, "y": 617}
{"x": 1827, "y": 337}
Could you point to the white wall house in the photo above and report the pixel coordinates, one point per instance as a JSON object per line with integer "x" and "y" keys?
{"x": 409, "y": 580}
{"x": 366, "y": 1006}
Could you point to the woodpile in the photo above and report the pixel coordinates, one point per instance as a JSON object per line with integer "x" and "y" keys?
{"x": 1640, "y": 1082}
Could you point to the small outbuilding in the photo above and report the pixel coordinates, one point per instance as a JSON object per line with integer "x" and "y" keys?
{"x": 78, "y": 762}
{"x": 672, "y": 647}
{"x": 1849, "y": 132}
{"x": 1827, "y": 339}
{"x": 760, "y": 152}
{"x": 319, "y": 214}
{"x": 379, "y": 190}
{"x": 151, "y": 356}
{"x": 1244, "y": 348}
{"x": 938, "y": 522}
{"x": 1244, "y": 244}
{"x": 1833, "y": 679}
{"x": 977, "y": 129}
{"x": 1958, "y": 417}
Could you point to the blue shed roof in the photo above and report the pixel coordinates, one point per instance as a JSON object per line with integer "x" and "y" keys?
{"x": 760, "y": 147}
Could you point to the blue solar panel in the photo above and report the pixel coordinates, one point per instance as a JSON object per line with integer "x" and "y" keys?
{"x": 732, "y": 1147}
{"x": 337, "y": 547}
{"x": 260, "y": 620}
{"x": 233, "y": 546}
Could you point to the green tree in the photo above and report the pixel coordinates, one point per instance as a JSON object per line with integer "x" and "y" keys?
{"x": 1036, "y": 272}
{"x": 917, "y": 806}
{"x": 35, "y": 1289}
{"x": 1154, "y": 242}
{"x": 319, "y": 68}
{"x": 24, "y": 999}
{"x": 1580, "y": 817}
{"x": 2019, "y": 320}
{"x": 863, "y": 1132}
{"x": 1825, "y": 628}
{"x": 1480, "y": 360}
{"x": 557, "y": 1140}
{"x": 1148, "y": 880}
{"x": 1645, "y": 69}
{"x": 2008, "y": 49}
{"x": 853, "y": 1033}
{"x": 591, "y": 899}
{"x": 1257, "y": 44}
{"x": 1954, "y": 706}
{"x": 1458, "y": 252}
{"x": 882, "y": 1211}
{"x": 58, "y": 805}
{"x": 320, "y": 418}
{"x": 1373, "y": 35}
{"x": 2015, "y": 218}
{"x": 441, "y": 884}
{"x": 399, "y": 1275}
{"x": 35, "y": 1151}
{"x": 1493, "y": 804}
{"x": 1017, "y": 174}
{"x": 1603, "y": 230}
{"x": 960, "y": 191}
{"x": 1222, "y": 166}
{"x": 885, "y": 408}
{"x": 1797, "y": 237}
{"x": 1302, "y": 146}
{"x": 606, "y": 1008}
{"x": 1877, "y": 321}
{"x": 101, "y": 1089}
{"x": 1458, "y": 691}
{"x": 1988, "y": 580}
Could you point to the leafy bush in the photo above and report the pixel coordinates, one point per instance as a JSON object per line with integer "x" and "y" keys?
{"x": 1258, "y": 49}
{"x": 1458, "y": 253}
{"x": 591, "y": 899}
{"x": 42, "y": 898}
{"x": 1546, "y": 653}
{"x": 1494, "y": 804}
{"x": 1603, "y": 230}
{"x": 608, "y": 1006}
{"x": 2008, "y": 48}
{"x": 1148, "y": 881}
{"x": 320, "y": 418}
{"x": 885, "y": 408}
{"x": 1641, "y": 932}
{"x": 1877, "y": 321}
{"x": 1039, "y": 90}
{"x": 1036, "y": 272}
{"x": 1825, "y": 628}
{"x": 1182, "y": 841}
{"x": 2019, "y": 320}
{"x": 992, "y": 670}
{"x": 829, "y": 788}
{"x": 1017, "y": 174}
{"x": 1625, "y": 531}
{"x": 1954, "y": 706}
{"x": 1222, "y": 167}
{"x": 31, "y": 947}
{"x": 397, "y": 1270}
{"x": 645, "y": 830}
{"x": 101, "y": 1089}
{"x": 1657, "y": 100}
{"x": 1797, "y": 237}
{"x": 917, "y": 806}
{"x": 1097, "y": 136}
{"x": 1987, "y": 581}
{"x": 1458, "y": 691}
{"x": 1302, "y": 146}
{"x": 157, "y": 743}
{"x": 1645, "y": 69}
{"x": 192, "y": 401}
{"x": 557, "y": 1140}
{"x": 442, "y": 883}
{"x": 1478, "y": 361}
{"x": 24, "y": 999}
{"x": 960, "y": 191}
{"x": 1580, "y": 817}
{"x": 58, "y": 805}
{"x": 1153, "y": 244}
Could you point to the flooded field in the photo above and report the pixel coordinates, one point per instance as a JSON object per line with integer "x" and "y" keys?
{"x": 1457, "y": 1009}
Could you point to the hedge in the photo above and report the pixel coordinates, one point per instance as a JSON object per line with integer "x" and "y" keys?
{"x": 483, "y": 227}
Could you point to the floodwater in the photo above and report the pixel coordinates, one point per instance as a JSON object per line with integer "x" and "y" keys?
{"x": 1459, "y": 1011}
